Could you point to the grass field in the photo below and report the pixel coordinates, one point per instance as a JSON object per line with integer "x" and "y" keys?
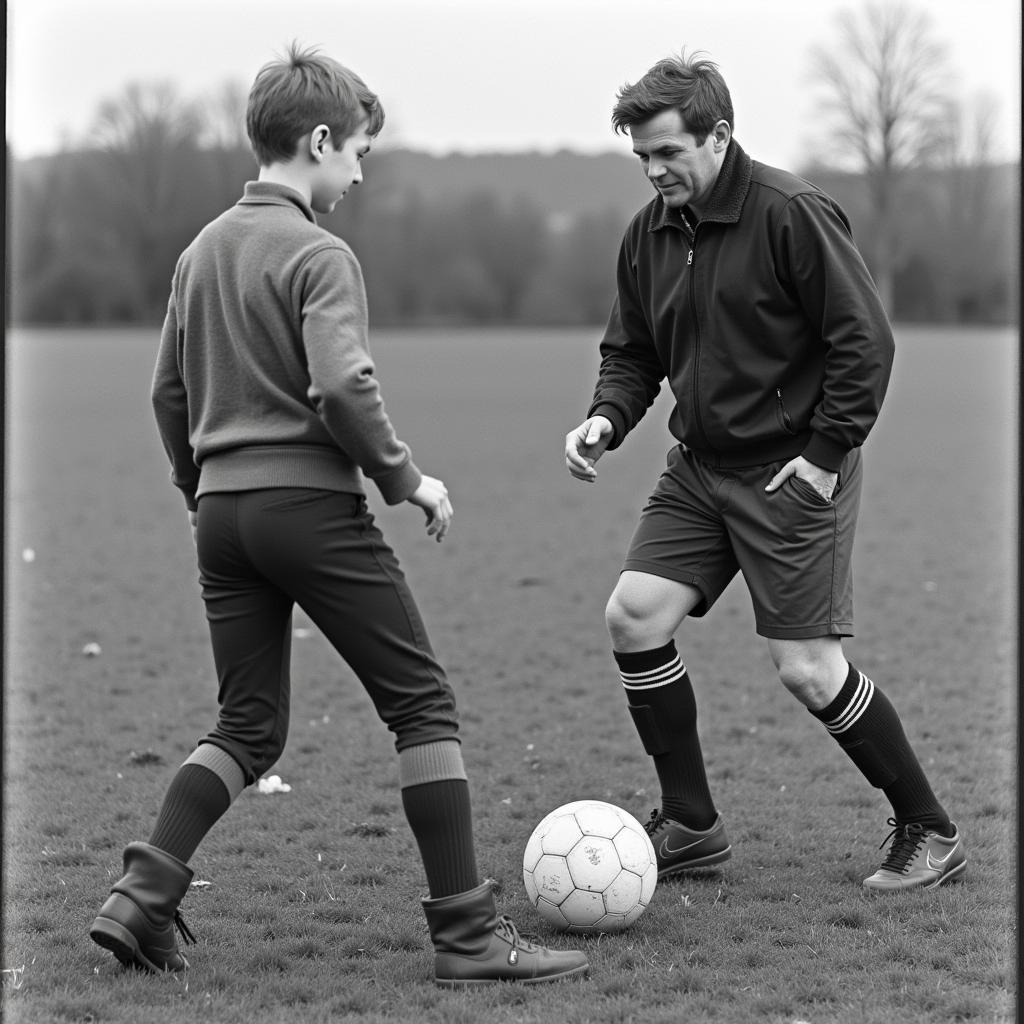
{"x": 311, "y": 912}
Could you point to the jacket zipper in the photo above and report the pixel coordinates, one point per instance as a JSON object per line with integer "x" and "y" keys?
{"x": 786, "y": 421}
{"x": 698, "y": 420}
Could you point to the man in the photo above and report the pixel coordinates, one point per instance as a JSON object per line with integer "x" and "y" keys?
{"x": 741, "y": 283}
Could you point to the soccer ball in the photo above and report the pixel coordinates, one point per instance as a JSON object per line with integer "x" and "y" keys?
{"x": 589, "y": 867}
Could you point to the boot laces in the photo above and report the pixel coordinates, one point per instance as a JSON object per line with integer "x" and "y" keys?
{"x": 183, "y": 929}
{"x": 507, "y": 930}
{"x": 906, "y": 840}
{"x": 655, "y": 822}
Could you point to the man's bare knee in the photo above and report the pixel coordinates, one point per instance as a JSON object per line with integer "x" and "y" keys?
{"x": 812, "y": 671}
{"x": 645, "y": 611}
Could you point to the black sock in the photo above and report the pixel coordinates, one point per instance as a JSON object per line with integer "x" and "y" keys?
{"x": 664, "y": 710}
{"x": 866, "y": 726}
{"x": 441, "y": 819}
{"x": 195, "y": 800}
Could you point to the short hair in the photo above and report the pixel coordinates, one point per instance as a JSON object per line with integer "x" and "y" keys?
{"x": 294, "y": 94}
{"x": 693, "y": 86}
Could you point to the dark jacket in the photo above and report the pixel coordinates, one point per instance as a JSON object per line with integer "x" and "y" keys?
{"x": 764, "y": 319}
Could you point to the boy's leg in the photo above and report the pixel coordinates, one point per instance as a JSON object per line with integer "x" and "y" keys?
{"x": 250, "y": 631}
{"x": 334, "y": 562}
{"x": 336, "y": 565}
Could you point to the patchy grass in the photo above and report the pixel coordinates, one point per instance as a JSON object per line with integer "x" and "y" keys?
{"x": 311, "y": 908}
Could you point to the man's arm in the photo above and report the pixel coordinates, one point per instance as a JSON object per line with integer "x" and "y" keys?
{"x": 843, "y": 305}
{"x": 631, "y": 372}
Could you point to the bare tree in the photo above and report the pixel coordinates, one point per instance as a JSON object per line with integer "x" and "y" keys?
{"x": 223, "y": 116}
{"x": 971, "y": 209}
{"x": 884, "y": 84}
{"x": 149, "y": 137}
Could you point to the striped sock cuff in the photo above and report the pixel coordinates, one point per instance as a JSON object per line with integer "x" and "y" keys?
{"x": 647, "y": 670}
{"x": 222, "y": 764}
{"x": 850, "y": 706}
{"x": 430, "y": 762}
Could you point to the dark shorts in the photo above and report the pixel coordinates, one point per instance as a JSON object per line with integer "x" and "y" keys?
{"x": 794, "y": 548}
{"x": 261, "y": 553}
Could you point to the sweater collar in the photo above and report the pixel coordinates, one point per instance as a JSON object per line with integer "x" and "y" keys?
{"x": 726, "y": 202}
{"x": 268, "y": 193}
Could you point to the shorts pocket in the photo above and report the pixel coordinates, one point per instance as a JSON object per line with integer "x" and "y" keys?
{"x": 808, "y": 492}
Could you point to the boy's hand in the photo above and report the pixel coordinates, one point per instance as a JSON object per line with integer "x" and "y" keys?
{"x": 585, "y": 445}
{"x": 432, "y": 497}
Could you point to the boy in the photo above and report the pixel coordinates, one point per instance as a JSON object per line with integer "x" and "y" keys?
{"x": 268, "y": 408}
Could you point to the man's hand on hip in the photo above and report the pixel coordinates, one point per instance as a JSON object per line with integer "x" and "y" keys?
{"x": 822, "y": 480}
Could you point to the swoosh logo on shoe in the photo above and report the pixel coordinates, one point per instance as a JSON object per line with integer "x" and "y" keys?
{"x": 938, "y": 863}
{"x": 667, "y": 851}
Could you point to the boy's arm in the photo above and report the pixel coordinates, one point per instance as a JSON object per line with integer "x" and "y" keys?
{"x": 343, "y": 388}
{"x": 170, "y": 405}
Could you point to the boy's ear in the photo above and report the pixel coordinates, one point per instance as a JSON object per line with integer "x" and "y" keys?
{"x": 319, "y": 142}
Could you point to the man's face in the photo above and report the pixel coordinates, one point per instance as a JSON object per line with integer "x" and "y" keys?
{"x": 682, "y": 172}
{"x": 339, "y": 170}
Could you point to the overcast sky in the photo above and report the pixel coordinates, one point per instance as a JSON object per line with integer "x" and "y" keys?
{"x": 474, "y": 75}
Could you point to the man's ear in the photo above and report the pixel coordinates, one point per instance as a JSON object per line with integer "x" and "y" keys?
{"x": 721, "y": 134}
{"x": 319, "y": 142}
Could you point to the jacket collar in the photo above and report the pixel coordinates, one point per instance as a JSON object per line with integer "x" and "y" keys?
{"x": 726, "y": 202}
{"x": 268, "y": 193}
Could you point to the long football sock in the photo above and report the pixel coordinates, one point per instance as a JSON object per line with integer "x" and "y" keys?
{"x": 435, "y": 796}
{"x": 664, "y": 710}
{"x": 867, "y": 727}
{"x": 202, "y": 790}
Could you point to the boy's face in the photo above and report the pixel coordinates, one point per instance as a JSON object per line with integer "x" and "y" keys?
{"x": 339, "y": 170}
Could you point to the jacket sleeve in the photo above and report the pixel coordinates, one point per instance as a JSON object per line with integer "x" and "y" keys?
{"x": 170, "y": 406}
{"x": 631, "y": 371}
{"x": 343, "y": 387}
{"x": 843, "y": 306}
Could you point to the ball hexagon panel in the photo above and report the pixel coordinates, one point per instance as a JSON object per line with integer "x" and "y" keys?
{"x": 598, "y": 819}
{"x": 583, "y": 909}
{"x": 635, "y": 851}
{"x": 552, "y": 878}
{"x": 624, "y": 893}
{"x": 593, "y": 863}
{"x": 561, "y": 835}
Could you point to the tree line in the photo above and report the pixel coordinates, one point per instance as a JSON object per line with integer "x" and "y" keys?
{"x": 95, "y": 232}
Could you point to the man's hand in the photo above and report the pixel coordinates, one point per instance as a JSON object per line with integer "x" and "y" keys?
{"x": 822, "y": 480}
{"x": 193, "y": 521}
{"x": 432, "y": 497}
{"x": 585, "y": 445}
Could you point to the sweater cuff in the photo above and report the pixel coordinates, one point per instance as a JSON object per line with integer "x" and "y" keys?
{"x": 825, "y": 453}
{"x": 613, "y": 414}
{"x": 399, "y": 485}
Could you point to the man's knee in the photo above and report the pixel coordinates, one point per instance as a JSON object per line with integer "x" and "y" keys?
{"x": 812, "y": 672}
{"x": 645, "y": 611}
{"x": 623, "y": 612}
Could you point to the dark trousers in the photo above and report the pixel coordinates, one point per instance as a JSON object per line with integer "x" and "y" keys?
{"x": 261, "y": 553}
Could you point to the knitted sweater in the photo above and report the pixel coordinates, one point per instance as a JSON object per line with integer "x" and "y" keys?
{"x": 263, "y": 375}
